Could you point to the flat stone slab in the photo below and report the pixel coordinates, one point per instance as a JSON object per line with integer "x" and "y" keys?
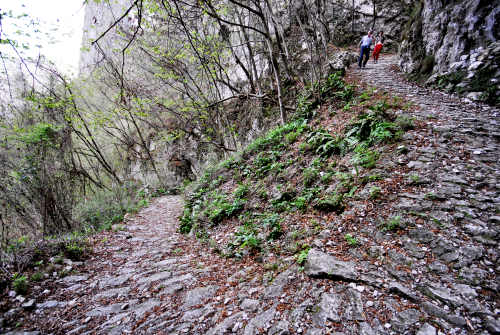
{"x": 104, "y": 310}
{"x": 321, "y": 265}
{"x": 405, "y": 319}
{"x": 155, "y": 277}
{"x": 113, "y": 293}
{"x": 73, "y": 279}
{"x": 443, "y": 294}
{"x": 51, "y": 304}
{"x": 114, "y": 281}
{"x": 196, "y": 296}
{"x": 329, "y": 309}
{"x": 139, "y": 310}
{"x": 251, "y": 305}
{"x": 261, "y": 321}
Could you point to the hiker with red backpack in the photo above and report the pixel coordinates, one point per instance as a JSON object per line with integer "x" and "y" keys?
{"x": 379, "y": 43}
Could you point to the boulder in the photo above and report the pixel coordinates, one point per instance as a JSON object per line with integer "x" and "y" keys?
{"x": 321, "y": 265}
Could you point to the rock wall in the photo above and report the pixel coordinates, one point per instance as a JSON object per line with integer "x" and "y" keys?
{"x": 455, "y": 46}
{"x": 98, "y": 17}
{"x": 352, "y": 19}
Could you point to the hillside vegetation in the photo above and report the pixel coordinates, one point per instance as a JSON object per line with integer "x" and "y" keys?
{"x": 312, "y": 172}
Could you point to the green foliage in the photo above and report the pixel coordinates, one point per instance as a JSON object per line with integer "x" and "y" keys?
{"x": 374, "y": 177}
{"x": 273, "y": 222}
{"x": 301, "y": 203}
{"x": 40, "y": 133}
{"x": 246, "y": 237}
{"x": 74, "y": 251}
{"x": 331, "y": 203}
{"x": 310, "y": 193}
{"x": 394, "y": 223}
{"x": 310, "y": 175}
{"x": 291, "y": 137}
{"x": 364, "y": 156}
{"x": 221, "y": 208}
{"x": 383, "y": 132}
{"x": 374, "y": 127}
{"x": 20, "y": 284}
{"x": 305, "y": 105}
{"x": 311, "y": 96}
{"x": 17, "y": 244}
{"x": 281, "y": 206}
{"x": 104, "y": 208}
{"x": 266, "y": 161}
{"x": 37, "y": 276}
{"x": 405, "y": 122}
{"x": 276, "y": 136}
{"x": 430, "y": 196}
{"x": 450, "y": 79}
{"x": 352, "y": 241}
{"x": 375, "y": 192}
{"x": 241, "y": 191}
{"x": 302, "y": 256}
{"x": 415, "y": 179}
{"x": 323, "y": 143}
{"x": 327, "y": 177}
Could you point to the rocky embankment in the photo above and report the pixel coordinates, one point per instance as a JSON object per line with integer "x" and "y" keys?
{"x": 456, "y": 46}
{"x": 436, "y": 274}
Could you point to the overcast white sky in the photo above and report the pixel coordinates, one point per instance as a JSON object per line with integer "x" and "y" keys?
{"x": 60, "y": 29}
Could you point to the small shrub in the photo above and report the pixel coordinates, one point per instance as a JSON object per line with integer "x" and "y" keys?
{"x": 304, "y": 146}
{"x": 273, "y": 222}
{"x": 383, "y": 132}
{"x": 327, "y": 177}
{"x": 309, "y": 176}
{"x": 37, "y": 276}
{"x": 325, "y": 144}
{"x": 394, "y": 223}
{"x": 405, "y": 122}
{"x": 375, "y": 192}
{"x": 415, "y": 179}
{"x": 74, "y": 251}
{"x": 331, "y": 203}
{"x": 186, "y": 221}
{"x": 58, "y": 259}
{"x": 302, "y": 256}
{"x": 364, "y": 156}
{"x": 352, "y": 241}
{"x": 246, "y": 237}
{"x": 20, "y": 284}
{"x": 262, "y": 194}
{"x": 241, "y": 191}
{"x": 291, "y": 137}
{"x": 281, "y": 206}
{"x": 301, "y": 203}
{"x": 430, "y": 196}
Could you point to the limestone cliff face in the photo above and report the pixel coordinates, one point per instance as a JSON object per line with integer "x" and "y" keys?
{"x": 98, "y": 18}
{"x": 457, "y": 44}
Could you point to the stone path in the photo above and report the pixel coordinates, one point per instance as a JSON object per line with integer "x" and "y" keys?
{"x": 438, "y": 276}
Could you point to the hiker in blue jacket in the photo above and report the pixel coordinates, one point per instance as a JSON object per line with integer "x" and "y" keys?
{"x": 365, "y": 45}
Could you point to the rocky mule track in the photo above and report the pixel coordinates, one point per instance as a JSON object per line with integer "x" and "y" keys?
{"x": 438, "y": 276}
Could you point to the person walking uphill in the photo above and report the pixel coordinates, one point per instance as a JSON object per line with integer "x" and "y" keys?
{"x": 365, "y": 45}
{"x": 378, "y": 46}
